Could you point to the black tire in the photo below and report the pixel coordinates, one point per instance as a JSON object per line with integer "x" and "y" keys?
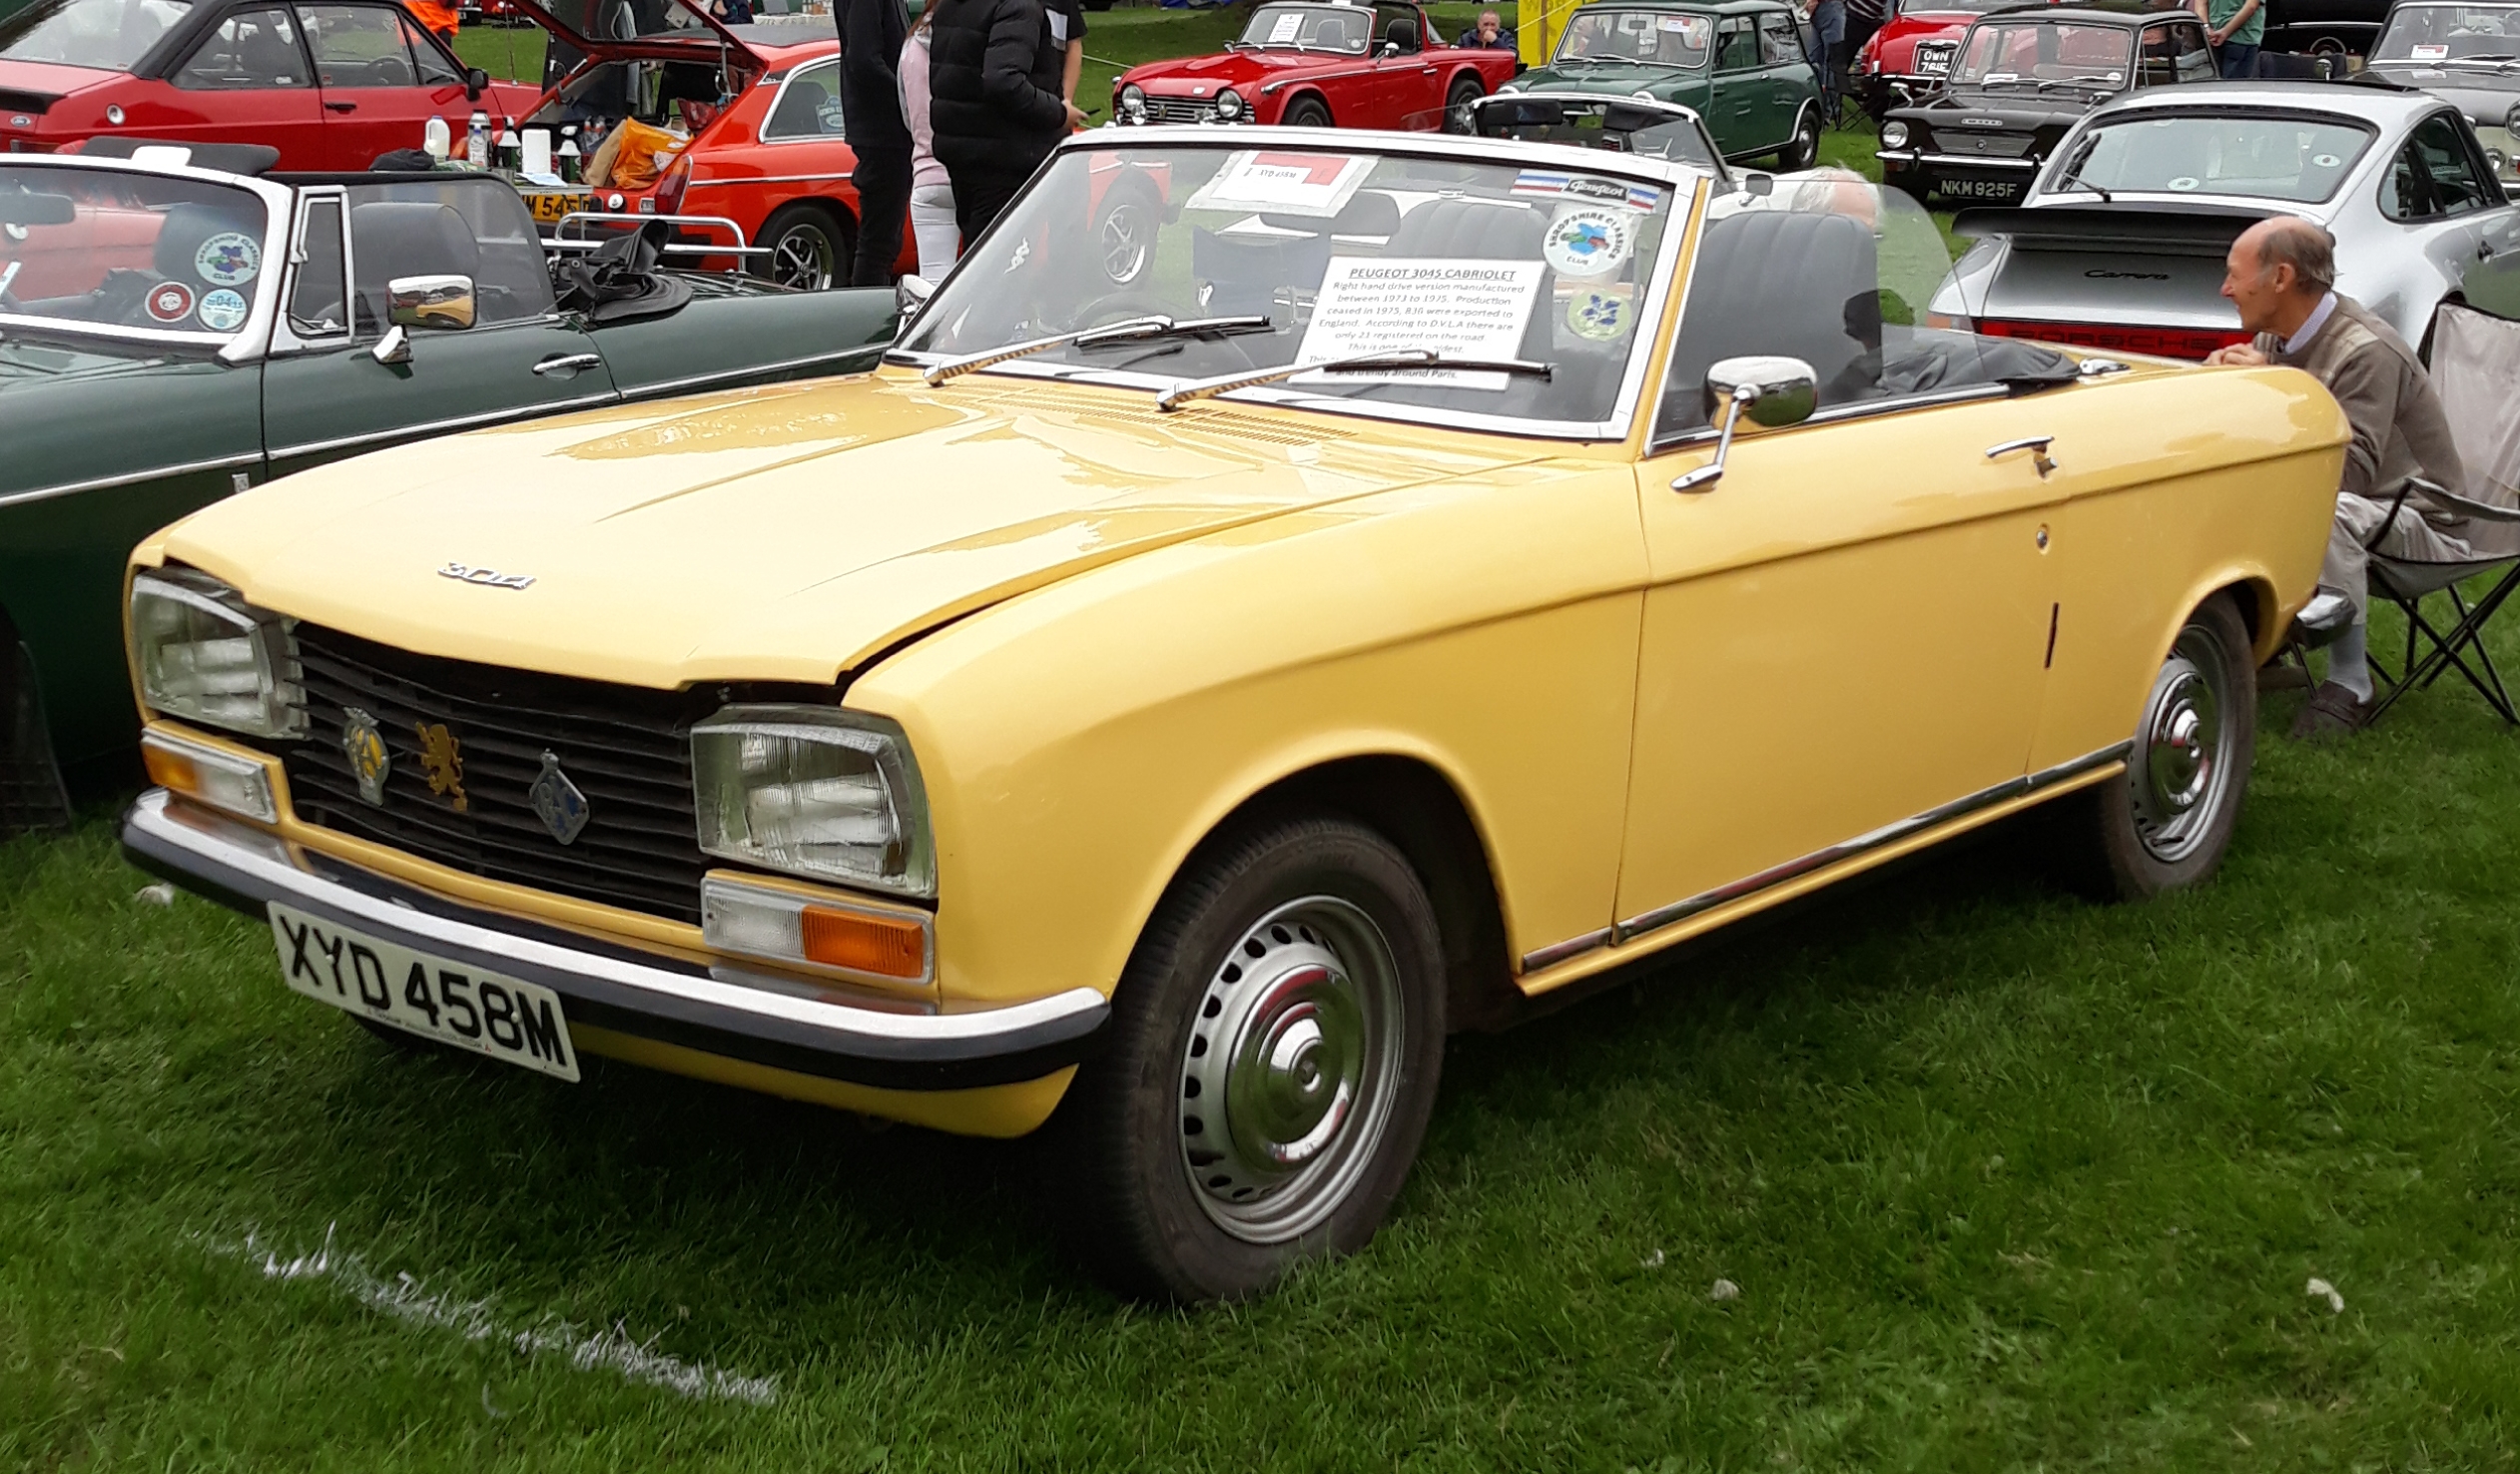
{"x": 1803, "y": 150}
{"x": 1125, "y": 232}
{"x": 1456, "y": 103}
{"x": 2165, "y": 823}
{"x": 1306, "y": 112}
{"x": 810, "y": 246}
{"x": 1286, "y": 997}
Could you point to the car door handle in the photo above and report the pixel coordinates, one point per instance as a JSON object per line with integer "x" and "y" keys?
{"x": 2037, "y": 445}
{"x": 2484, "y": 249}
{"x": 568, "y": 364}
{"x": 342, "y": 107}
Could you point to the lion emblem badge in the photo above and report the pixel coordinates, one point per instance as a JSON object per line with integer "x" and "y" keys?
{"x": 441, "y": 758}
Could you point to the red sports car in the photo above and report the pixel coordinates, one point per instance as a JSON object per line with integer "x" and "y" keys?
{"x": 1911, "y": 55}
{"x": 1308, "y": 64}
{"x": 331, "y": 85}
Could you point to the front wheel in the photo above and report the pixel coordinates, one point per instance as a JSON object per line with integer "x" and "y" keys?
{"x": 2164, "y": 823}
{"x": 1270, "y": 1066}
{"x": 1459, "y": 105}
{"x": 808, "y": 248}
{"x": 1306, "y": 112}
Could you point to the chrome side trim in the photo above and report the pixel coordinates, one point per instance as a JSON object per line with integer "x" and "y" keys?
{"x": 1533, "y": 962}
{"x": 1888, "y": 834}
{"x": 785, "y": 1021}
{"x": 155, "y": 472}
{"x": 711, "y": 183}
{"x": 444, "y": 427}
{"x": 702, "y": 380}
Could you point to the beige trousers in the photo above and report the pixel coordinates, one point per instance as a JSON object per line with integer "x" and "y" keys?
{"x": 2348, "y": 565}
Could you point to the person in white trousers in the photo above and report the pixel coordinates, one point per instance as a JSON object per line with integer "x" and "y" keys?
{"x": 931, "y": 190}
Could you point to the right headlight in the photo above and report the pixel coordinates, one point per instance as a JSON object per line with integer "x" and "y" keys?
{"x": 1133, "y": 102}
{"x": 1894, "y": 135}
{"x": 814, "y": 791}
{"x": 203, "y": 654}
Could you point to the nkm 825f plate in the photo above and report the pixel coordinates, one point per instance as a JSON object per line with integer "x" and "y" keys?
{"x": 507, "y": 1020}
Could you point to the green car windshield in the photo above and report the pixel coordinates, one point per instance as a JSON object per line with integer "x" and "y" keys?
{"x": 138, "y": 255}
{"x": 109, "y": 35}
{"x": 2433, "y": 34}
{"x": 1301, "y": 256}
{"x": 1649, "y": 37}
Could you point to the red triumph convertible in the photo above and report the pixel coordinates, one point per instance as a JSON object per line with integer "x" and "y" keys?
{"x": 1308, "y": 64}
{"x": 331, "y": 85}
{"x": 1911, "y": 55}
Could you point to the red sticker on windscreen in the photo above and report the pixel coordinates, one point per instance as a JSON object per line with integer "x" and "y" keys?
{"x": 170, "y": 301}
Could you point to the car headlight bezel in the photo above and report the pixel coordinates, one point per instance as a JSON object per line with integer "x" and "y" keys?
{"x": 1229, "y": 105}
{"x": 871, "y": 832}
{"x": 233, "y": 642}
{"x": 1132, "y": 102}
{"x": 1894, "y": 135}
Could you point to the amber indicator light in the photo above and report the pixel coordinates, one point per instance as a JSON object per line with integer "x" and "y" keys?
{"x": 169, "y": 769}
{"x": 866, "y": 944}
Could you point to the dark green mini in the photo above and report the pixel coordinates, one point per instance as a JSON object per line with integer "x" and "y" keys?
{"x": 1744, "y": 67}
{"x": 170, "y": 334}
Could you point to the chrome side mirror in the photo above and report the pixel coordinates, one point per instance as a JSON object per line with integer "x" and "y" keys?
{"x": 1772, "y": 393}
{"x": 1756, "y": 184}
{"x": 439, "y": 302}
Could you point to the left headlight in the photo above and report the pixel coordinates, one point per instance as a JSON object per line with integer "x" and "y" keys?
{"x": 205, "y": 655}
{"x": 1229, "y": 105}
{"x": 1894, "y": 135}
{"x": 814, "y": 791}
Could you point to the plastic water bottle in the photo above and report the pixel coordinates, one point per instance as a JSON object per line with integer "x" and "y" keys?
{"x": 476, "y": 139}
{"x": 438, "y": 139}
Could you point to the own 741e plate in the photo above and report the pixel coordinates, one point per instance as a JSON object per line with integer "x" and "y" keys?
{"x": 512, "y": 1021}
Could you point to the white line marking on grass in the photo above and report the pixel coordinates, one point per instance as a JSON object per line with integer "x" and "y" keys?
{"x": 405, "y": 1299}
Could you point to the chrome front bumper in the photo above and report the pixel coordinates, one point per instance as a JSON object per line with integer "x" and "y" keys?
{"x": 781, "y": 1021}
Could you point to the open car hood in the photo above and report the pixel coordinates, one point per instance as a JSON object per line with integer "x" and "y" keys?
{"x": 784, "y": 533}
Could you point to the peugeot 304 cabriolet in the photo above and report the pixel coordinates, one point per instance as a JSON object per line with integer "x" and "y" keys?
{"x": 1458, "y": 571}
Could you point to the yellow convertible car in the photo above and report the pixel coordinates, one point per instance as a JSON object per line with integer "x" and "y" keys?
{"x": 1399, "y": 579}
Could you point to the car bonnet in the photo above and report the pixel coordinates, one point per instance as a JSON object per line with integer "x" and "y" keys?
{"x": 787, "y": 533}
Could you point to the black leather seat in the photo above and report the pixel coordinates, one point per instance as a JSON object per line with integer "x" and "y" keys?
{"x": 1473, "y": 230}
{"x": 1797, "y": 284}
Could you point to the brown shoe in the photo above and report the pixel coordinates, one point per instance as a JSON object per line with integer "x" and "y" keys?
{"x": 2333, "y": 712}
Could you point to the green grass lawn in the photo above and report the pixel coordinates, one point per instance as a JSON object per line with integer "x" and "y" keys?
{"x": 2007, "y": 1181}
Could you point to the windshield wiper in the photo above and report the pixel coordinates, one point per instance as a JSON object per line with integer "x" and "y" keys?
{"x": 2073, "y": 173}
{"x": 1205, "y": 389}
{"x": 1131, "y": 330}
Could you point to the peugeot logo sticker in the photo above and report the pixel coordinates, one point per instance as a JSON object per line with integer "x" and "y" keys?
{"x": 557, "y": 801}
{"x": 486, "y": 577}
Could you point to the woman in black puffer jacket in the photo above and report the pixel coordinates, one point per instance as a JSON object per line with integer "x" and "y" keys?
{"x": 993, "y": 80}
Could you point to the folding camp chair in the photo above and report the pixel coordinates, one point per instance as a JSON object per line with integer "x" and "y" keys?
{"x": 2475, "y": 361}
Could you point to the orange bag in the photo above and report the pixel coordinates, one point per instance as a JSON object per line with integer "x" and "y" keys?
{"x": 636, "y": 160}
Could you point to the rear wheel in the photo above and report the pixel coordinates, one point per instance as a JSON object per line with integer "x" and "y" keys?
{"x": 1306, "y": 112}
{"x": 1124, "y": 233}
{"x": 1458, "y": 104}
{"x": 2164, "y": 823}
{"x": 1804, "y": 148}
{"x": 808, "y": 248}
{"x": 1270, "y": 1066}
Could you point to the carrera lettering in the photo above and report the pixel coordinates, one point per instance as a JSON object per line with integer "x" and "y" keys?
{"x": 2102, "y": 273}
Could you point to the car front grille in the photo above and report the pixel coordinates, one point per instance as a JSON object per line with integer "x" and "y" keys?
{"x": 626, "y": 748}
{"x": 1179, "y": 110}
{"x": 1982, "y": 144}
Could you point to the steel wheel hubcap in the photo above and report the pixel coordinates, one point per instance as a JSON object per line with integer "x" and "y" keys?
{"x": 1287, "y": 1077}
{"x": 2179, "y": 776}
{"x": 1124, "y": 246}
{"x": 801, "y": 260}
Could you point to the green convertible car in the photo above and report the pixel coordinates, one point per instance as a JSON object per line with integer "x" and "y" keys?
{"x": 1744, "y": 66}
{"x": 177, "y": 326}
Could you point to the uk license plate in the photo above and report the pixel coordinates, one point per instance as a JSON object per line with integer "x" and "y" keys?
{"x": 549, "y": 207}
{"x": 512, "y": 1021}
{"x": 1979, "y": 189}
{"x": 1933, "y": 63}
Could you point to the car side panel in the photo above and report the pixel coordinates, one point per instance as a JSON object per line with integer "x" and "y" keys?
{"x": 724, "y": 342}
{"x": 1077, "y": 742}
{"x": 182, "y": 434}
{"x": 2250, "y": 504}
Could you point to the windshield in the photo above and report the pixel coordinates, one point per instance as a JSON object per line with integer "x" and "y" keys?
{"x": 2447, "y": 33}
{"x": 1323, "y": 254}
{"x": 1645, "y": 36}
{"x": 1620, "y": 127}
{"x": 1310, "y": 28}
{"x": 2263, "y": 158}
{"x": 170, "y": 257}
{"x": 2026, "y": 55}
{"x": 109, "y": 35}
{"x": 1954, "y": 7}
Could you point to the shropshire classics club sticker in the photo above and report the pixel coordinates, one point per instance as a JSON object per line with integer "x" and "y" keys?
{"x": 1587, "y": 240}
{"x": 170, "y": 301}
{"x": 227, "y": 260}
{"x": 222, "y": 309}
